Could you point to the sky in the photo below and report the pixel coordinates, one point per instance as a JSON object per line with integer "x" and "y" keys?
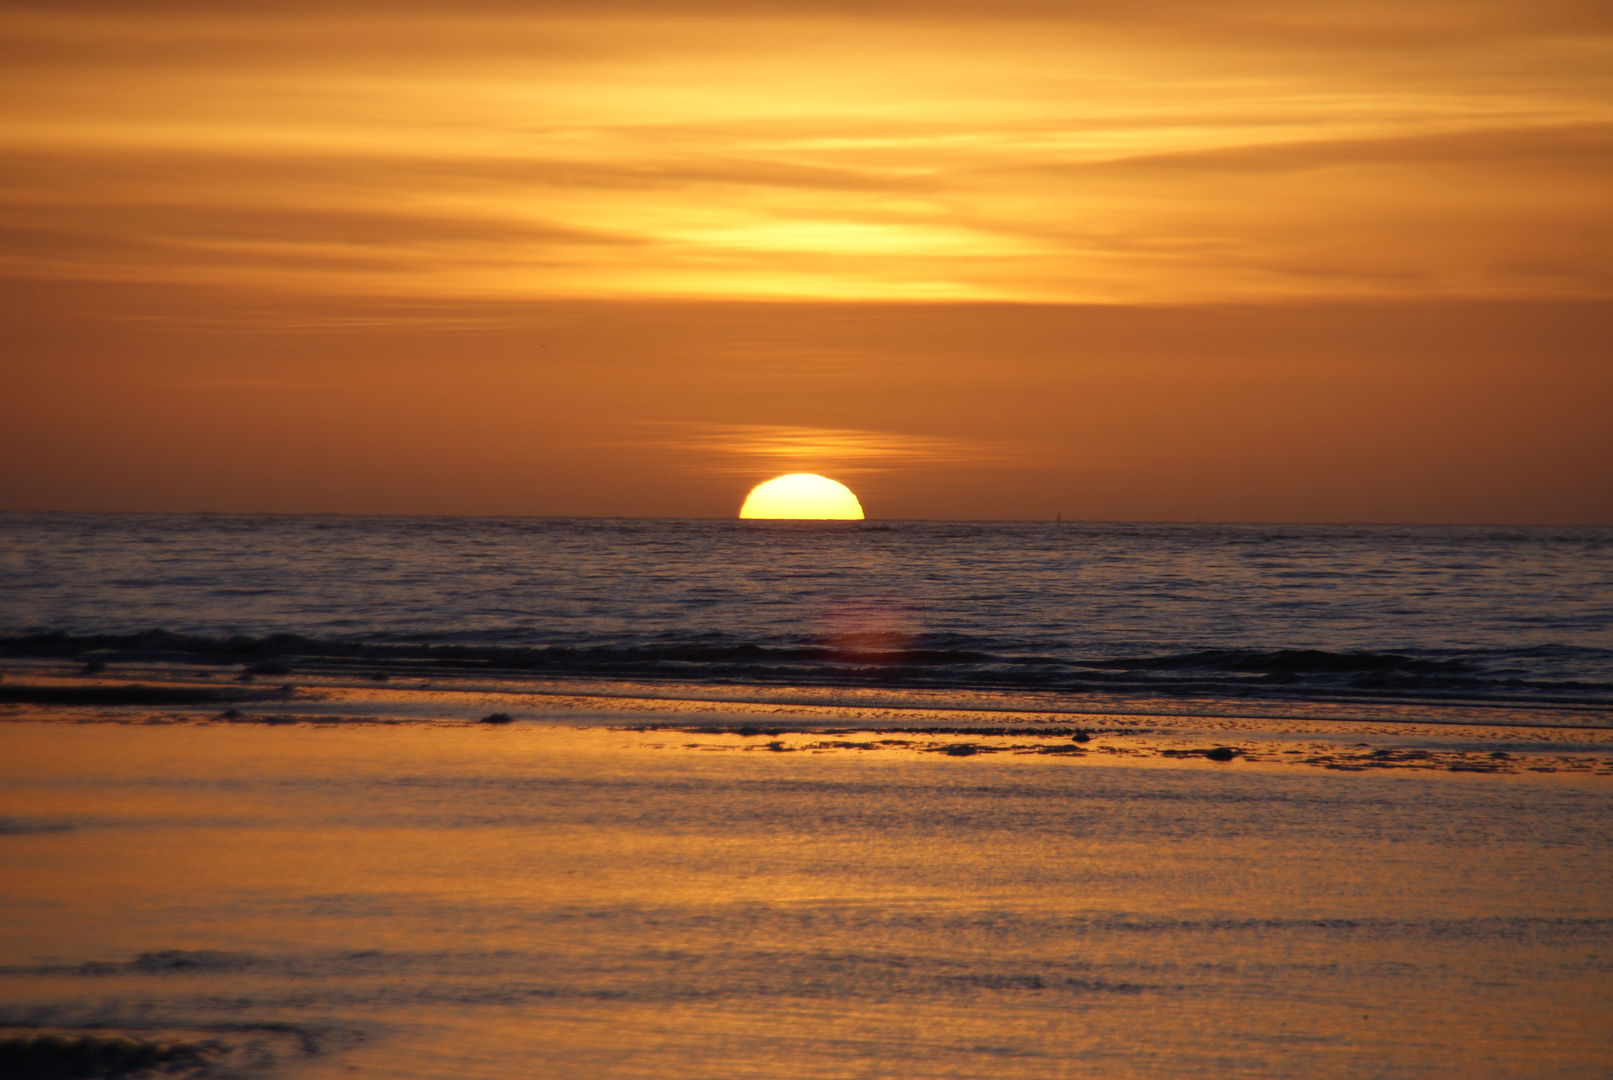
{"x": 1155, "y": 260}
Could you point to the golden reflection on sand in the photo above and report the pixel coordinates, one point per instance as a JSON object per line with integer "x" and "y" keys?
{"x": 671, "y": 897}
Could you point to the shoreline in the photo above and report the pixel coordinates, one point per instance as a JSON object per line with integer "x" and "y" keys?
{"x": 374, "y": 878}
{"x": 788, "y": 720}
{"x": 44, "y": 681}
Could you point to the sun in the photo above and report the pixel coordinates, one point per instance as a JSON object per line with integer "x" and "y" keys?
{"x": 802, "y": 496}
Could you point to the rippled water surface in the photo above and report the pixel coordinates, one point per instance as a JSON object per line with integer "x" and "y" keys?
{"x": 1427, "y": 613}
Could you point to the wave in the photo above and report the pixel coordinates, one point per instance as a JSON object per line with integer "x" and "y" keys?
{"x": 1289, "y": 662}
{"x": 1562, "y": 675}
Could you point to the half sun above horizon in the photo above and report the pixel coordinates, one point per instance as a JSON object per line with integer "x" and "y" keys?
{"x": 802, "y": 497}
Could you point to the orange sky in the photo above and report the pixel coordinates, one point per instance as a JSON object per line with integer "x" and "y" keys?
{"x": 1344, "y": 261}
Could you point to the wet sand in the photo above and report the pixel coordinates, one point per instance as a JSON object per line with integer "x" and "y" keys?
{"x": 346, "y": 879}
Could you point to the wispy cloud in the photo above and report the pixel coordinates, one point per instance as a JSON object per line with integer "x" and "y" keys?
{"x": 1153, "y": 152}
{"x": 746, "y": 449}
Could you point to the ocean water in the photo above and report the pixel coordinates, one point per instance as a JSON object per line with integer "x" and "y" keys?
{"x": 1505, "y": 616}
{"x": 449, "y": 798}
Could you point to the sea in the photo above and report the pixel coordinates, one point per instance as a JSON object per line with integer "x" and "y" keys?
{"x": 323, "y": 796}
{"x": 1487, "y": 617}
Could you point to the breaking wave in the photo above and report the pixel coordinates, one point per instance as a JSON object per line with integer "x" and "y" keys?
{"x": 1522, "y": 615}
{"x": 1561, "y": 675}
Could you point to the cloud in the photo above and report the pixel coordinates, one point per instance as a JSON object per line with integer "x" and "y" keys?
{"x": 1158, "y": 152}
{"x": 1583, "y": 145}
{"x": 743, "y": 449}
{"x": 1373, "y": 18}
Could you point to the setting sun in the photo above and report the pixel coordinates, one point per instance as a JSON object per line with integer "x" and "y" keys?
{"x": 802, "y": 496}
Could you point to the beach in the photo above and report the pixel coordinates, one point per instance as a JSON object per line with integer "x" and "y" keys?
{"x": 411, "y": 798}
{"x": 352, "y": 880}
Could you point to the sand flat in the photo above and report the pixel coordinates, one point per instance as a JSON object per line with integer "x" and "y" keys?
{"x": 646, "y": 893}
